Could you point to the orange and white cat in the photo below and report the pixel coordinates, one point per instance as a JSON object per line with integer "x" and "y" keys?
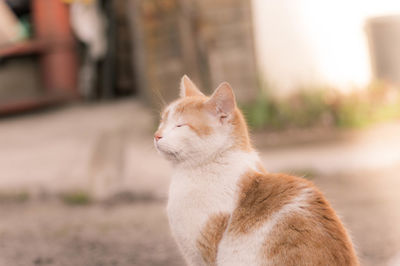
{"x": 224, "y": 208}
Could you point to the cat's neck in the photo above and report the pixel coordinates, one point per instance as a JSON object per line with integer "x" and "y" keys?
{"x": 230, "y": 161}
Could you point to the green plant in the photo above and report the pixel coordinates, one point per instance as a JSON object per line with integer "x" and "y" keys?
{"x": 351, "y": 111}
{"x": 258, "y": 113}
{"x": 14, "y": 196}
{"x": 78, "y": 197}
{"x": 317, "y": 106}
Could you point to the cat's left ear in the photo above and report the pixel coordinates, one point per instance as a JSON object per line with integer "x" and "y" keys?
{"x": 222, "y": 103}
{"x": 188, "y": 88}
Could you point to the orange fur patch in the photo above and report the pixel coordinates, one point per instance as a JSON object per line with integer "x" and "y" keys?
{"x": 314, "y": 238}
{"x": 260, "y": 196}
{"x": 241, "y": 132}
{"x": 318, "y": 239}
{"x": 210, "y": 236}
{"x": 191, "y": 109}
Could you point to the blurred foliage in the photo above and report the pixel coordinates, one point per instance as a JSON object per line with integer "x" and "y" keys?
{"x": 325, "y": 107}
{"x": 78, "y": 197}
{"x": 14, "y": 196}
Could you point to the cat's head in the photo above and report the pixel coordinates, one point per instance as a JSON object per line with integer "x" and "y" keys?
{"x": 196, "y": 128}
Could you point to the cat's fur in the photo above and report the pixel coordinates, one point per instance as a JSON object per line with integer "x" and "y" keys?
{"x": 224, "y": 208}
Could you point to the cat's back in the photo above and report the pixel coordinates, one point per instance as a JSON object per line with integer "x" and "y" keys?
{"x": 282, "y": 220}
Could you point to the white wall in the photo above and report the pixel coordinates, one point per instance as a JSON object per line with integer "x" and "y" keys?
{"x": 309, "y": 43}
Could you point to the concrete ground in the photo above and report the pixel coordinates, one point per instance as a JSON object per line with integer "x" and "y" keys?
{"x": 105, "y": 153}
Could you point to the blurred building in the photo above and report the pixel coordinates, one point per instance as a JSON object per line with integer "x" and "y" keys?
{"x": 311, "y": 43}
{"x": 39, "y": 64}
{"x": 384, "y": 44}
{"x": 211, "y": 41}
{"x": 147, "y": 45}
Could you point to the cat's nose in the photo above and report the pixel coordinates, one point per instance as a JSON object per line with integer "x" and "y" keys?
{"x": 157, "y": 136}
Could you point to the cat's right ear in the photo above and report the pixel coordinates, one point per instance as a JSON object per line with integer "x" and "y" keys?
{"x": 188, "y": 88}
{"x": 222, "y": 102}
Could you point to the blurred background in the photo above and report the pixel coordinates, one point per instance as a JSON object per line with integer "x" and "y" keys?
{"x": 82, "y": 83}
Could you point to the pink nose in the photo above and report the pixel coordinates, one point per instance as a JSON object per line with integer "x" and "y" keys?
{"x": 157, "y": 137}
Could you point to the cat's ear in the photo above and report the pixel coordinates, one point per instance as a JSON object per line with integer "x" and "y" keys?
{"x": 188, "y": 88}
{"x": 222, "y": 103}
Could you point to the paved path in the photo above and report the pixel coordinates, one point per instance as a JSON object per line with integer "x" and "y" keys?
{"x": 53, "y": 234}
{"x": 375, "y": 148}
{"x": 136, "y": 233}
{"x": 103, "y": 148}
{"x": 106, "y": 150}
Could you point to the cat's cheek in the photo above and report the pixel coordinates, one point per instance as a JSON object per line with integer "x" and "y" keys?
{"x": 159, "y": 151}
{"x": 157, "y": 147}
{"x": 165, "y": 152}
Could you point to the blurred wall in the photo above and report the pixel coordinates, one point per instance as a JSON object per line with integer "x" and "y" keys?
{"x": 211, "y": 41}
{"x": 384, "y": 44}
{"x": 309, "y": 43}
{"x": 19, "y": 79}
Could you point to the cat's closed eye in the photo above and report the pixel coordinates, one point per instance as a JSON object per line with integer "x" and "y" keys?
{"x": 181, "y": 125}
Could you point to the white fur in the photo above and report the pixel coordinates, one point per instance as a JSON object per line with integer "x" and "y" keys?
{"x": 197, "y": 193}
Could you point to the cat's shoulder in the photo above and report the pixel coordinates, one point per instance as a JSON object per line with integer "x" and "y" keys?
{"x": 258, "y": 181}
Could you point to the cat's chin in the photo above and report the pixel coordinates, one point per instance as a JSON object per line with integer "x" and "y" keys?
{"x": 169, "y": 155}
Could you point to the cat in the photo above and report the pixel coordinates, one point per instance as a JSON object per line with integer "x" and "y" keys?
{"x": 224, "y": 208}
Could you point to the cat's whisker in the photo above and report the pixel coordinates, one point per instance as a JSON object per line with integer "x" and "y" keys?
{"x": 161, "y": 102}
